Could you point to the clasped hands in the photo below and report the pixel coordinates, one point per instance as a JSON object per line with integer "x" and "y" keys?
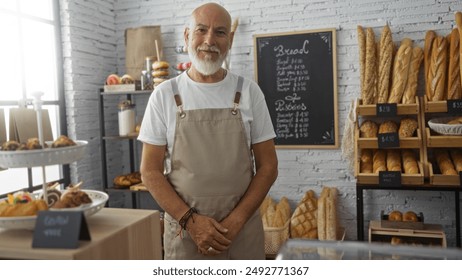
{"x": 210, "y": 236}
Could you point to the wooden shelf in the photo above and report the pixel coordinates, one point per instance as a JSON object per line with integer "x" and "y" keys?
{"x": 442, "y": 141}
{"x": 402, "y": 109}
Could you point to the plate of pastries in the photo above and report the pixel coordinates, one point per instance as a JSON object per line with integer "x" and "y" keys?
{"x": 62, "y": 150}
{"x": 19, "y": 210}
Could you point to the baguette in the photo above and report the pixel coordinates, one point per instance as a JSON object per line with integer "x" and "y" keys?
{"x": 393, "y": 160}
{"x": 370, "y": 74}
{"x": 444, "y": 162}
{"x": 410, "y": 164}
{"x": 456, "y": 155}
{"x": 429, "y": 38}
{"x": 411, "y": 86}
{"x": 331, "y": 215}
{"x": 438, "y": 65}
{"x": 454, "y": 81}
{"x": 366, "y": 161}
{"x": 385, "y": 63}
{"x": 401, "y": 71}
{"x": 362, "y": 59}
{"x": 322, "y": 213}
{"x": 379, "y": 161}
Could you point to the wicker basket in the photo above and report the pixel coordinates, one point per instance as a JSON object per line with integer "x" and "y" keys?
{"x": 275, "y": 237}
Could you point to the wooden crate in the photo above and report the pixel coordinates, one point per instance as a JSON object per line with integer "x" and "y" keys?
{"x": 435, "y": 106}
{"x": 402, "y": 109}
{"x": 404, "y": 143}
{"x": 431, "y": 235}
{"x": 385, "y": 223}
{"x": 443, "y": 180}
{"x": 434, "y": 140}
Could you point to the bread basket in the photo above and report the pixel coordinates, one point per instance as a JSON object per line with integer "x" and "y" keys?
{"x": 440, "y": 126}
{"x": 275, "y": 237}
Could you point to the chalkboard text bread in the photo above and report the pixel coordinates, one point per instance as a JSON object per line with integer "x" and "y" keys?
{"x": 400, "y": 71}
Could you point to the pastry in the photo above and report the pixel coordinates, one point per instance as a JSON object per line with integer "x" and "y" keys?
{"x": 393, "y": 160}
{"x": 410, "y": 164}
{"x": 429, "y": 37}
{"x": 379, "y": 161}
{"x": 410, "y": 89}
{"x": 401, "y": 67}
{"x": 122, "y": 181}
{"x": 33, "y": 144}
{"x": 303, "y": 223}
{"x": 135, "y": 178}
{"x": 385, "y": 64}
{"x": 388, "y": 127}
{"x": 410, "y": 216}
{"x": 438, "y": 65}
{"x": 11, "y": 145}
{"x": 395, "y": 216}
{"x": 407, "y": 127}
{"x": 72, "y": 197}
{"x": 396, "y": 240}
{"x": 444, "y": 162}
{"x": 368, "y": 129}
{"x": 62, "y": 141}
{"x": 366, "y": 161}
{"x": 454, "y": 79}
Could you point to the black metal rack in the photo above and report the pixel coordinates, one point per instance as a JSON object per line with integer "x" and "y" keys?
{"x": 426, "y": 187}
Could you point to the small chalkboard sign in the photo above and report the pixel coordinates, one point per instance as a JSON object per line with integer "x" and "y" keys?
{"x": 388, "y": 140}
{"x": 390, "y": 178}
{"x": 60, "y": 229}
{"x": 460, "y": 178}
{"x": 454, "y": 106}
{"x": 297, "y": 73}
{"x": 386, "y": 110}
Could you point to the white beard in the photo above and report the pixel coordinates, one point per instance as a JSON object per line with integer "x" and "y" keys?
{"x": 206, "y": 66}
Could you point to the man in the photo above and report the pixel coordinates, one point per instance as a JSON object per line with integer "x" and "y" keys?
{"x": 209, "y": 127}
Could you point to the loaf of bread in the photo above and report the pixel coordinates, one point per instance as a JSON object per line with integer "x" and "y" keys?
{"x": 368, "y": 129}
{"x": 370, "y": 78}
{"x": 395, "y": 216}
{"x": 407, "y": 127}
{"x": 327, "y": 214}
{"x": 410, "y": 165}
{"x": 444, "y": 162}
{"x": 410, "y": 90}
{"x": 454, "y": 76}
{"x": 379, "y": 161}
{"x": 303, "y": 223}
{"x": 393, "y": 160}
{"x": 410, "y": 216}
{"x": 456, "y": 120}
{"x": 267, "y": 211}
{"x": 388, "y": 127}
{"x": 282, "y": 213}
{"x": 401, "y": 67}
{"x": 362, "y": 59}
{"x": 366, "y": 161}
{"x": 458, "y": 17}
{"x": 438, "y": 67}
{"x": 429, "y": 38}
{"x": 456, "y": 155}
{"x": 385, "y": 64}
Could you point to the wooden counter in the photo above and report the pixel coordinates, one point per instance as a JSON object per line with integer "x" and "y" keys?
{"x": 115, "y": 234}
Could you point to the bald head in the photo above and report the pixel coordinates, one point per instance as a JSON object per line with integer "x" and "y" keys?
{"x": 210, "y": 10}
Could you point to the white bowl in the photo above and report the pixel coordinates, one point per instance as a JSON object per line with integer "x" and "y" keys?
{"x": 440, "y": 126}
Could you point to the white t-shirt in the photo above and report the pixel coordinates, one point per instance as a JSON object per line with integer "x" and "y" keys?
{"x": 158, "y": 125}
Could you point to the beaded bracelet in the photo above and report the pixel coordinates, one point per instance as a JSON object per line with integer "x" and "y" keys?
{"x": 189, "y": 214}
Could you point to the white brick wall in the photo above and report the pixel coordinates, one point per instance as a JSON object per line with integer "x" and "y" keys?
{"x": 93, "y": 43}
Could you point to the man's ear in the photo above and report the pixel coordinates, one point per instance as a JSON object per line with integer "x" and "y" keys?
{"x": 186, "y": 36}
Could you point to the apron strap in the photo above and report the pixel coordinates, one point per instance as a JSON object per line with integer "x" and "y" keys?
{"x": 176, "y": 95}
{"x": 237, "y": 96}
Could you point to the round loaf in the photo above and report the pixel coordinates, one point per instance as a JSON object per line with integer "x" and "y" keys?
{"x": 410, "y": 216}
{"x": 395, "y": 216}
{"x": 368, "y": 129}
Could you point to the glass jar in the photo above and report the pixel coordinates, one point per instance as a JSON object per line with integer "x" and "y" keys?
{"x": 127, "y": 118}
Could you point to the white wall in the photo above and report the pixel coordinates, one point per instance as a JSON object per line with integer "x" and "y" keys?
{"x": 93, "y": 35}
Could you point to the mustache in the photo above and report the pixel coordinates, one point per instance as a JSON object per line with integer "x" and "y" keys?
{"x": 209, "y": 49}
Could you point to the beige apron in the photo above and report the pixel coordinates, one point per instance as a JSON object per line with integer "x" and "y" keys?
{"x": 211, "y": 169}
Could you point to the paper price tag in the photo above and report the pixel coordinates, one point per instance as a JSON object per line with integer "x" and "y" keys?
{"x": 386, "y": 110}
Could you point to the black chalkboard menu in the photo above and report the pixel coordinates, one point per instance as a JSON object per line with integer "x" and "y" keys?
{"x": 297, "y": 73}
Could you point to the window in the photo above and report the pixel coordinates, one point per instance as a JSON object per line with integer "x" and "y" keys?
{"x": 30, "y": 53}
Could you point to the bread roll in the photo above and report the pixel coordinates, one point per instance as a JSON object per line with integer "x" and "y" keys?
{"x": 362, "y": 59}
{"x": 407, "y": 127}
{"x": 388, "y": 127}
{"x": 454, "y": 81}
{"x": 411, "y": 86}
{"x": 394, "y": 160}
{"x": 366, "y": 161}
{"x": 410, "y": 164}
{"x": 456, "y": 155}
{"x": 429, "y": 38}
{"x": 444, "y": 162}
{"x": 379, "y": 161}
{"x": 395, "y": 216}
{"x": 438, "y": 66}
{"x": 410, "y": 216}
{"x": 370, "y": 78}
{"x": 303, "y": 223}
{"x": 384, "y": 65}
{"x": 401, "y": 67}
{"x": 368, "y": 129}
